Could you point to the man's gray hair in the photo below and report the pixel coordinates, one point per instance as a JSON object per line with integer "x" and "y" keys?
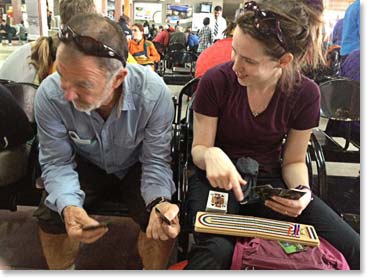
{"x": 104, "y": 30}
{"x": 69, "y": 8}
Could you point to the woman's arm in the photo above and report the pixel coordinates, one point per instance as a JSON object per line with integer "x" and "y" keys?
{"x": 294, "y": 171}
{"x": 220, "y": 170}
{"x": 294, "y": 168}
{"x": 205, "y": 128}
{"x": 153, "y": 53}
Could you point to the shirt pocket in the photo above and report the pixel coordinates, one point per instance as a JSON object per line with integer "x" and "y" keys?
{"x": 84, "y": 145}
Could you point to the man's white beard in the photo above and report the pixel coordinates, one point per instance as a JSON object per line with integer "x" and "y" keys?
{"x": 88, "y": 108}
{"x": 85, "y": 108}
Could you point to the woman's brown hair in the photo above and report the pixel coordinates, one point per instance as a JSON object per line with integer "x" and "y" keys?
{"x": 43, "y": 55}
{"x": 300, "y": 34}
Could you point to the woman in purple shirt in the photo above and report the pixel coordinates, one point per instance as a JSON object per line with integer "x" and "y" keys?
{"x": 244, "y": 108}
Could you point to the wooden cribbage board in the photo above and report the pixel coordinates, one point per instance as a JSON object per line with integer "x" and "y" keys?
{"x": 250, "y": 226}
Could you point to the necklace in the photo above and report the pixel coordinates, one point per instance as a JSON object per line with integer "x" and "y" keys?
{"x": 255, "y": 114}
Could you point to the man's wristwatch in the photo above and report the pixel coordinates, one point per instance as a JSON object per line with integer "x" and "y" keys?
{"x": 157, "y": 201}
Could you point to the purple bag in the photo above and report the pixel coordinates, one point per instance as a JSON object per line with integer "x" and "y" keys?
{"x": 255, "y": 253}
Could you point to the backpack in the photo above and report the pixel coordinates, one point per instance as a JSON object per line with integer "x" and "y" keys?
{"x": 260, "y": 254}
{"x": 15, "y": 128}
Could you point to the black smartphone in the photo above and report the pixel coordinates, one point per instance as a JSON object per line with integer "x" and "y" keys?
{"x": 164, "y": 219}
{"x": 102, "y": 224}
{"x": 267, "y": 191}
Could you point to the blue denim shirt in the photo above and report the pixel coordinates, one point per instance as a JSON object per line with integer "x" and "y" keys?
{"x": 138, "y": 129}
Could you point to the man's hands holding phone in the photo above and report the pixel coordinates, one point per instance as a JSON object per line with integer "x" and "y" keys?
{"x": 81, "y": 227}
{"x": 162, "y": 214}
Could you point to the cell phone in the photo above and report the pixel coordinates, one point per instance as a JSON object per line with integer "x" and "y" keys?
{"x": 267, "y": 191}
{"x": 162, "y": 216}
{"x": 102, "y": 224}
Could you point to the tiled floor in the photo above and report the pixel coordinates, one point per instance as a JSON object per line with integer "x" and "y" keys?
{"x": 19, "y": 245}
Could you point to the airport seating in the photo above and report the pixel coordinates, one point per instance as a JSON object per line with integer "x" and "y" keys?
{"x": 178, "y": 66}
{"x": 18, "y": 161}
{"x": 340, "y": 104}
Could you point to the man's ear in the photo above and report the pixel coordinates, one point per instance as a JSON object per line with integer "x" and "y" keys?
{"x": 286, "y": 59}
{"x": 119, "y": 78}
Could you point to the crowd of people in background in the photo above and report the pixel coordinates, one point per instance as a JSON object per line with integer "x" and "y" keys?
{"x": 149, "y": 42}
{"x": 218, "y": 41}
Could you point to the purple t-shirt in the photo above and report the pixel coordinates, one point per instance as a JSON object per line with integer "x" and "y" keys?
{"x": 239, "y": 133}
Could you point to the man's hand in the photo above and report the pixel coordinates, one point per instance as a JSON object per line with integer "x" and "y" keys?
{"x": 292, "y": 208}
{"x": 157, "y": 228}
{"x": 222, "y": 173}
{"x": 75, "y": 219}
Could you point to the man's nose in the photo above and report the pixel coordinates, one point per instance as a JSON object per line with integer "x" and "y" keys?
{"x": 69, "y": 93}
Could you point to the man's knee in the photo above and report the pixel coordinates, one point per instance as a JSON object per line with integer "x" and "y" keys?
{"x": 59, "y": 250}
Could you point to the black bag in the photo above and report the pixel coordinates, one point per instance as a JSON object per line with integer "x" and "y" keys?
{"x": 15, "y": 129}
{"x": 249, "y": 168}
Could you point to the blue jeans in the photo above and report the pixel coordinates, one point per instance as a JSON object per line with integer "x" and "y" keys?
{"x": 9, "y": 36}
{"x": 215, "y": 251}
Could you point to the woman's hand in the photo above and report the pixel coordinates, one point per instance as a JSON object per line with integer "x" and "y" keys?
{"x": 157, "y": 228}
{"x": 75, "y": 219}
{"x": 292, "y": 208}
{"x": 222, "y": 173}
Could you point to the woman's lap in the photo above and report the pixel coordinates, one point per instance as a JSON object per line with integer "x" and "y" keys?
{"x": 327, "y": 223}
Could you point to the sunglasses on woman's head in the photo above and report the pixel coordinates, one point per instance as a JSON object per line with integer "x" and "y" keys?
{"x": 89, "y": 45}
{"x": 265, "y": 22}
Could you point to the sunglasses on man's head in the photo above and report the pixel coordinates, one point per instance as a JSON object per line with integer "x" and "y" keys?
{"x": 89, "y": 45}
{"x": 266, "y": 22}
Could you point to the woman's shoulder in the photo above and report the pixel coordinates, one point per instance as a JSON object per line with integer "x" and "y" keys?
{"x": 308, "y": 87}
{"x": 221, "y": 71}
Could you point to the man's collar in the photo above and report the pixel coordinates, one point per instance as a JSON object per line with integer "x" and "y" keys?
{"x": 126, "y": 101}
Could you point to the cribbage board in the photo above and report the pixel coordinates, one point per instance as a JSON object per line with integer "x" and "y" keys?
{"x": 250, "y": 226}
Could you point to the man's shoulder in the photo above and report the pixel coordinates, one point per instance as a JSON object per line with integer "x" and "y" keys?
{"x": 50, "y": 88}
{"x": 143, "y": 82}
{"x": 223, "y": 19}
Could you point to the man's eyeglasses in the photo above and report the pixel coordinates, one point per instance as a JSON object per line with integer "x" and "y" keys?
{"x": 89, "y": 45}
{"x": 266, "y": 22}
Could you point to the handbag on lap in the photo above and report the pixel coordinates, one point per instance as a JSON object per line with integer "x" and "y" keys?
{"x": 262, "y": 254}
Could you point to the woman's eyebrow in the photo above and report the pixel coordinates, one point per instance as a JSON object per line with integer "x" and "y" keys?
{"x": 244, "y": 57}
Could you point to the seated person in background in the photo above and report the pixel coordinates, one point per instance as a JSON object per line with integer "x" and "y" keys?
{"x": 43, "y": 56}
{"x": 177, "y": 37}
{"x": 162, "y": 38}
{"x": 244, "y": 108}
{"x": 217, "y": 53}
{"x": 192, "y": 40}
{"x": 336, "y": 35}
{"x": 350, "y": 68}
{"x": 141, "y": 49}
{"x": 351, "y": 30}
{"x": 23, "y": 33}
{"x": 6, "y": 31}
{"x": 103, "y": 126}
{"x": 124, "y": 23}
{"x": 33, "y": 61}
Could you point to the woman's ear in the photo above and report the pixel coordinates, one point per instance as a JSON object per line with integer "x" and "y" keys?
{"x": 286, "y": 59}
{"x": 119, "y": 78}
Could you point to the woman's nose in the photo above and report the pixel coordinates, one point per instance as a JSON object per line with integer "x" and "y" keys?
{"x": 235, "y": 66}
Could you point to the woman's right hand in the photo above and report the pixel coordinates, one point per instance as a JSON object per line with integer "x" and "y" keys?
{"x": 222, "y": 173}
